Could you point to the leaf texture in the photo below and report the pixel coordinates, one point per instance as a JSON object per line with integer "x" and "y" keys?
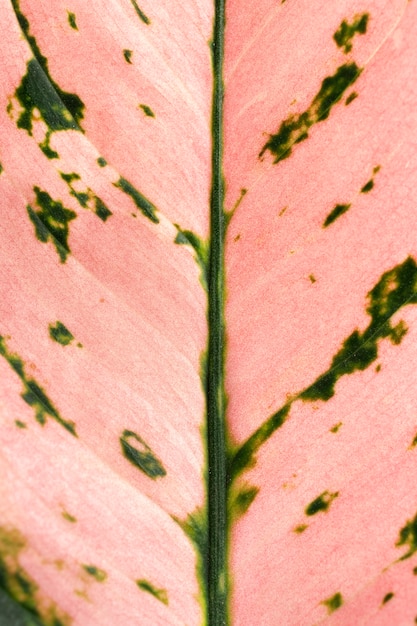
{"x": 103, "y": 312}
{"x": 321, "y": 277}
{"x": 122, "y": 124}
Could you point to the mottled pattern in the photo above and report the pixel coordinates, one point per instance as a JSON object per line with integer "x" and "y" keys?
{"x": 104, "y": 135}
{"x": 320, "y": 311}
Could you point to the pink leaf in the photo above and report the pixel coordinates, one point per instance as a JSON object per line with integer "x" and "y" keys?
{"x": 123, "y": 164}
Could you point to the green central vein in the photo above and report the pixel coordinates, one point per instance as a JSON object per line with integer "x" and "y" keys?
{"x": 217, "y": 523}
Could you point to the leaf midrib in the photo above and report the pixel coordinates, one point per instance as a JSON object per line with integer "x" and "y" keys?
{"x": 216, "y": 429}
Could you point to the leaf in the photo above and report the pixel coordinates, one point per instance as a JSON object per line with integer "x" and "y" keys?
{"x": 209, "y": 279}
{"x": 320, "y": 311}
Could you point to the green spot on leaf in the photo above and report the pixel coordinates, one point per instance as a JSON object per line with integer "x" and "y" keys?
{"x": 387, "y": 597}
{"x": 295, "y": 128}
{"x": 351, "y": 97}
{"x": 335, "y": 428}
{"x": 300, "y": 529}
{"x": 396, "y": 288}
{"x": 398, "y": 332}
{"x": 243, "y": 457}
{"x": 338, "y": 210}
{"x": 72, "y": 21}
{"x": 102, "y": 162}
{"x": 60, "y": 334}
{"x": 140, "y": 454}
{"x": 368, "y": 186}
{"x": 321, "y": 504}
{"x": 140, "y": 13}
{"x": 333, "y": 603}
{"x": 32, "y": 393}
{"x": 187, "y": 237}
{"x": 147, "y": 110}
{"x": 20, "y": 424}
{"x": 51, "y": 222}
{"x": 408, "y": 537}
{"x": 41, "y": 98}
{"x": 19, "y": 585}
{"x": 86, "y": 198}
{"x": 98, "y": 574}
{"x": 346, "y": 32}
{"x": 144, "y": 205}
{"x": 244, "y": 498}
{"x": 128, "y": 55}
{"x": 159, "y": 594}
{"x": 68, "y": 517}
{"x": 101, "y": 210}
{"x": 195, "y": 526}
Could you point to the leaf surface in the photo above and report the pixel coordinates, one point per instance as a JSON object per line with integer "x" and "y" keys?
{"x": 103, "y": 311}
{"x": 321, "y": 277}
{"x": 116, "y": 319}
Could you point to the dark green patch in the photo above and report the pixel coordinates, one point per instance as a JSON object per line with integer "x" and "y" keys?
{"x": 396, "y": 288}
{"x": 346, "y": 32}
{"x": 338, "y": 210}
{"x": 51, "y": 222}
{"x": 60, "y": 334}
{"x": 368, "y": 186}
{"x": 408, "y": 537}
{"x": 141, "y": 455}
{"x": 32, "y": 393}
{"x": 187, "y": 237}
{"x": 70, "y": 518}
{"x": 398, "y": 332}
{"x": 244, "y": 456}
{"x": 19, "y": 585}
{"x": 414, "y": 442}
{"x": 321, "y": 504}
{"x": 102, "y": 162}
{"x": 415, "y": 571}
{"x": 1, "y": 169}
{"x": 140, "y": 13}
{"x": 300, "y": 529}
{"x": 336, "y": 427}
{"x": 387, "y": 597}
{"x": 295, "y": 128}
{"x": 14, "y": 614}
{"x": 101, "y": 210}
{"x": 147, "y": 110}
{"x": 128, "y": 55}
{"x": 20, "y": 424}
{"x": 144, "y": 205}
{"x": 351, "y": 97}
{"x": 333, "y": 603}
{"x": 160, "y": 594}
{"x": 40, "y": 96}
{"x": 72, "y": 20}
{"x": 244, "y": 498}
{"x": 98, "y": 574}
{"x": 87, "y": 199}
{"x": 195, "y": 526}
